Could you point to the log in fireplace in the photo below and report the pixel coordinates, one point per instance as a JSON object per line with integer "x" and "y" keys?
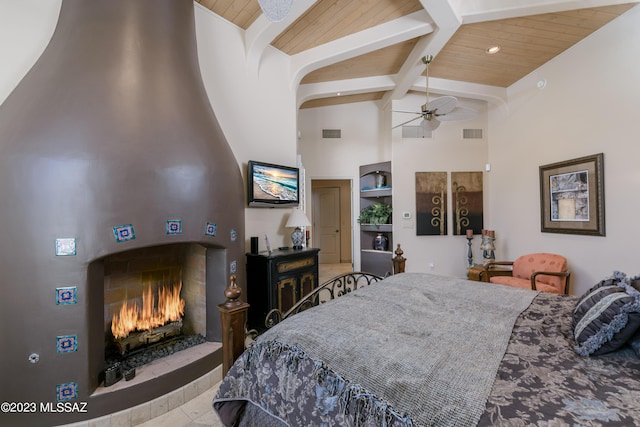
{"x": 108, "y": 145}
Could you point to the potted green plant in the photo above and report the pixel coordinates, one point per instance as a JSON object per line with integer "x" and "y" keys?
{"x": 375, "y": 214}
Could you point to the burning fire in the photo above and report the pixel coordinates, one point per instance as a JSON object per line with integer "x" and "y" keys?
{"x": 170, "y": 308}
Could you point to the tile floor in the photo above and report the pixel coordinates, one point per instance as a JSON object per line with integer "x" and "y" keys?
{"x": 189, "y": 406}
{"x": 196, "y": 412}
{"x": 328, "y": 271}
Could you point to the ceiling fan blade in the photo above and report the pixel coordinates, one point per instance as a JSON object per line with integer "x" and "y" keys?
{"x": 458, "y": 113}
{"x": 431, "y": 124}
{"x": 404, "y": 123}
{"x": 408, "y": 112}
{"x": 442, "y": 105}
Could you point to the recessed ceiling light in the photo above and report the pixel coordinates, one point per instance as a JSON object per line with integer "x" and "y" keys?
{"x": 339, "y": 93}
{"x": 491, "y": 50}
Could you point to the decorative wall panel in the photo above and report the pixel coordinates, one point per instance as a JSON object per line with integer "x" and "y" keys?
{"x": 431, "y": 203}
{"x": 466, "y": 202}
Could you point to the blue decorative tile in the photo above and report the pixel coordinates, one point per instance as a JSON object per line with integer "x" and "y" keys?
{"x": 68, "y": 391}
{"x": 66, "y": 344}
{"x": 124, "y": 233}
{"x": 233, "y": 267}
{"x": 210, "y": 229}
{"x": 65, "y": 246}
{"x": 67, "y": 295}
{"x": 174, "y": 226}
{"x": 234, "y": 235}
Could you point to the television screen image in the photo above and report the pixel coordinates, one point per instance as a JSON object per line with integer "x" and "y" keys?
{"x": 271, "y": 184}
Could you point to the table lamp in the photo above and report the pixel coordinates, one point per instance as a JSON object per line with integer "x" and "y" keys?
{"x": 297, "y": 219}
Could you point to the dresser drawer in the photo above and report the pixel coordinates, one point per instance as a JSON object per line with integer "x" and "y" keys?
{"x": 286, "y": 266}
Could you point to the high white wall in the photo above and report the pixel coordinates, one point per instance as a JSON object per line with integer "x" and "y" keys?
{"x": 362, "y": 142}
{"x": 367, "y": 138}
{"x": 255, "y": 108}
{"x": 26, "y": 27}
{"x": 445, "y": 151}
{"x": 590, "y": 105}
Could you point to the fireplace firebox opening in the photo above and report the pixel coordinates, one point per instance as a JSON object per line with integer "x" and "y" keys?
{"x": 154, "y": 306}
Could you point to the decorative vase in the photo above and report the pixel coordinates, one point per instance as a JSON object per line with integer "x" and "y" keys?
{"x": 381, "y": 242}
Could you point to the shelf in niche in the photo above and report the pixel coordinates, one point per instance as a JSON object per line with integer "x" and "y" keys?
{"x": 377, "y": 252}
{"x": 375, "y": 187}
{"x": 376, "y": 192}
{"x": 382, "y": 228}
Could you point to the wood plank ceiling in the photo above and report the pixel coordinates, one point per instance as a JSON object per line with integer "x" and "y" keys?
{"x": 526, "y": 42}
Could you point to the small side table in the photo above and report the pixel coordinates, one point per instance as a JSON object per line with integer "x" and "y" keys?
{"x": 233, "y": 315}
{"x": 478, "y": 273}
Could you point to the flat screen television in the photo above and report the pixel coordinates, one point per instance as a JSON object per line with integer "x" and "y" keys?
{"x": 272, "y": 185}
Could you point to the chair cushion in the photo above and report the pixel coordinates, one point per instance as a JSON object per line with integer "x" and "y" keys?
{"x": 525, "y": 265}
{"x": 606, "y": 316}
{"x": 511, "y": 281}
{"x": 524, "y": 283}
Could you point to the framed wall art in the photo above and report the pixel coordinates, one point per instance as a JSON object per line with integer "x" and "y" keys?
{"x": 572, "y": 196}
{"x": 431, "y": 203}
{"x": 467, "y": 202}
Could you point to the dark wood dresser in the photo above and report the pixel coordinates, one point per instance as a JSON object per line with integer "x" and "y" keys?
{"x": 278, "y": 280}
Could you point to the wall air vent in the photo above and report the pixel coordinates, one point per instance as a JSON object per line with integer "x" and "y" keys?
{"x": 471, "y": 133}
{"x": 332, "y": 133}
{"x": 415, "y": 132}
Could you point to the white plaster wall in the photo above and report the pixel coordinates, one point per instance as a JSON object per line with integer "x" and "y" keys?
{"x": 255, "y": 108}
{"x": 590, "y": 105}
{"x": 447, "y": 152}
{"x": 362, "y": 142}
{"x": 366, "y": 138}
{"x": 26, "y": 26}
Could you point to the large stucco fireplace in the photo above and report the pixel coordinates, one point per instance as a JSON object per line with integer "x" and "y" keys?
{"x": 108, "y": 145}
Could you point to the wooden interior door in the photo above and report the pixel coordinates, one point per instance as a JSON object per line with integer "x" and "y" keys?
{"x": 326, "y": 218}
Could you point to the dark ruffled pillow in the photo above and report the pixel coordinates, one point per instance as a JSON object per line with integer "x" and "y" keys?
{"x": 607, "y": 315}
{"x": 634, "y": 342}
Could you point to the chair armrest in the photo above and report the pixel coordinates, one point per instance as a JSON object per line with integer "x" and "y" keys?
{"x": 566, "y": 274}
{"x": 492, "y": 264}
{"x": 498, "y": 268}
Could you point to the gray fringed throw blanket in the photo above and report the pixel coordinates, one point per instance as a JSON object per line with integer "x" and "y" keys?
{"x": 414, "y": 349}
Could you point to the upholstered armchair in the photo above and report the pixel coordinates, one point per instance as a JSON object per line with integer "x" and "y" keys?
{"x": 539, "y": 271}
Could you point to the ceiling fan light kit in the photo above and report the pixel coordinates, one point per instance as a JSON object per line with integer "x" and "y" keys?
{"x": 443, "y": 108}
{"x": 275, "y": 10}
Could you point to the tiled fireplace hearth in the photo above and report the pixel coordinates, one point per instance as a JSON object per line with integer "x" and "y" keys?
{"x": 113, "y": 168}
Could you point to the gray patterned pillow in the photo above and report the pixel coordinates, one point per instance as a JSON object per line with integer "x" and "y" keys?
{"x": 606, "y": 316}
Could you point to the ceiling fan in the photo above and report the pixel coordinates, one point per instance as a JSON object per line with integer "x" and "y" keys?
{"x": 440, "y": 109}
{"x": 275, "y": 10}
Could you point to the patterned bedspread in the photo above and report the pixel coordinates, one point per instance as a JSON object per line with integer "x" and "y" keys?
{"x": 540, "y": 381}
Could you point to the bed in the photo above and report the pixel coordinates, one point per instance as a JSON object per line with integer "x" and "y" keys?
{"x": 419, "y": 349}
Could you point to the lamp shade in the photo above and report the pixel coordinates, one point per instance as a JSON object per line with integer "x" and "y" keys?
{"x": 298, "y": 219}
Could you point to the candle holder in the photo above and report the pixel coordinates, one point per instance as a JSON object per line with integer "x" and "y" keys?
{"x": 469, "y": 252}
{"x": 488, "y": 246}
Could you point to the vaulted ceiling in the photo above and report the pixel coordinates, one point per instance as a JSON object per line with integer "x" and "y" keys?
{"x": 372, "y": 50}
